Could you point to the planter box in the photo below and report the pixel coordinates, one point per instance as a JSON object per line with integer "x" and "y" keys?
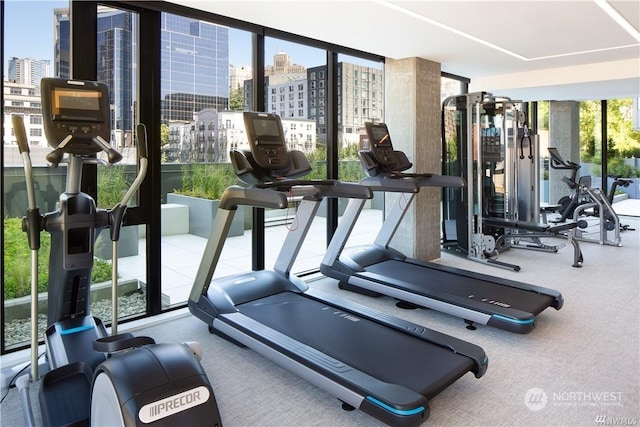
{"x": 202, "y": 213}
{"x": 20, "y": 308}
{"x": 127, "y": 244}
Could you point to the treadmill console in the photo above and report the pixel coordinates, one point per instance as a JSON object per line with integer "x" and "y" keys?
{"x": 380, "y": 143}
{"x": 76, "y": 112}
{"x": 266, "y": 139}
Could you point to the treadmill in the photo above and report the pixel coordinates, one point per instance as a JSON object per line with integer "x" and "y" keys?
{"x": 377, "y": 269}
{"x": 384, "y": 366}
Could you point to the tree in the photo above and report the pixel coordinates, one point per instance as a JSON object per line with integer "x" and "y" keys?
{"x": 623, "y": 140}
{"x": 164, "y": 134}
{"x": 236, "y": 99}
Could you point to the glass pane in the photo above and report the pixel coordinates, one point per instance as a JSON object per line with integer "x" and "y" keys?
{"x": 203, "y": 72}
{"x": 360, "y": 100}
{"x": 543, "y": 147}
{"x": 116, "y": 68}
{"x": 591, "y": 141}
{"x": 295, "y": 89}
{"x": 623, "y": 150}
{"x": 449, "y": 87}
{"x": 28, "y": 60}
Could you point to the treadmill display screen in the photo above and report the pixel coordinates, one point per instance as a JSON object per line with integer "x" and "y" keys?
{"x": 76, "y": 104}
{"x": 266, "y": 131}
{"x": 379, "y": 135}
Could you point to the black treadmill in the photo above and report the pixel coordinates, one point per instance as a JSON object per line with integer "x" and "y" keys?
{"x": 386, "y": 367}
{"x": 377, "y": 269}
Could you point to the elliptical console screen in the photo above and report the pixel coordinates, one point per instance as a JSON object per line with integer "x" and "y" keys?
{"x": 266, "y": 139}
{"x": 76, "y": 104}
{"x": 75, "y": 111}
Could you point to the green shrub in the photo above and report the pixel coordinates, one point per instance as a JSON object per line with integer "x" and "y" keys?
{"x": 17, "y": 262}
{"x": 206, "y": 180}
{"x": 112, "y": 185}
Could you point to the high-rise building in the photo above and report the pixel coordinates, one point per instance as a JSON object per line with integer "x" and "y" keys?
{"x": 238, "y": 75}
{"x": 288, "y": 100}
{"x": 23, "y": 100}
{"x": 117, "y": 35}
{"x": 360, "y": 99}
{"x": 194, "y": 64}
{"x": 195, "y": 67}
{"x": 282, "y": 68}
{"x": 28, "y": 71}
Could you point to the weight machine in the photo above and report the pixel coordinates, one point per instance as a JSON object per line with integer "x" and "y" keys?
{"x": 589, "y": 207}
{"x": 486, "y": 140}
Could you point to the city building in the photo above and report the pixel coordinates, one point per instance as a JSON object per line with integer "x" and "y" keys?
{"x": 288, "y": 99}
{"x": 23, "y": 100}
{"x": 360, "y": 99}
{"x": 282, "y": 68}
{"x": 212, "y": 134}
{"x": 28, "y": 71}
{"x": 194, "y": 64}
{"x": 237, "y": 76}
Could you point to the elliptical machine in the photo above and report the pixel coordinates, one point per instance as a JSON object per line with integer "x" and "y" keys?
{"x": 95, "y": 378}
{"x": 586, "y": 202}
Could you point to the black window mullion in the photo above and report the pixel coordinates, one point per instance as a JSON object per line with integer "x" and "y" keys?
{"x": 257, "y": 231}
{"x": 84, "y": 53}
{"x": 149, "y": 112}
{"x": 332, "y": 138}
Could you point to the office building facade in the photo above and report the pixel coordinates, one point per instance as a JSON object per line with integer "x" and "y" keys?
{"x": 360, "y": 99}
{"x": 194, "y": 64}
{"x": 28, "y": 71}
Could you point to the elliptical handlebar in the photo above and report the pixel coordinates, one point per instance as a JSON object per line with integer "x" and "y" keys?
{"x": 23, "y": 146}
{"x": 31, "y": 224}
{"x": 141, "y": 133}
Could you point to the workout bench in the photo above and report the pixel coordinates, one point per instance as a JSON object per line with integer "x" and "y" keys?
{"x": 517, "y": 231}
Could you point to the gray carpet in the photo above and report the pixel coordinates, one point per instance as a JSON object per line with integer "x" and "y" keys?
{"x": 579, "y": 365}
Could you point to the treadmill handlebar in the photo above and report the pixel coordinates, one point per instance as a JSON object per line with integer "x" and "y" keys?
{"x": 236, "y": 195}
{"x": 411, "y": 183}
{"x": 275, "y": 195}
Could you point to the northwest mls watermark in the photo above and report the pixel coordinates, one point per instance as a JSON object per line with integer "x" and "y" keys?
{"x": 607, "y": 420}
{"x": 537, "y": 399}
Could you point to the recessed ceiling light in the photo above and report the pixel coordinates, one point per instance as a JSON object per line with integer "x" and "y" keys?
{"x": 602, "y": 3}
{"x": 615, "y": 15}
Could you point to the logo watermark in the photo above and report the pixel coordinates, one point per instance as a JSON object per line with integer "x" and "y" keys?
{"x": 606, "y": 420}
{"x": 536, "y": 399}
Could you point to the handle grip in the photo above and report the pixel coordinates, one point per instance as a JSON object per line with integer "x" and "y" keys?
{"x": 21, "y": 133}
{"x": 141, "y": 134}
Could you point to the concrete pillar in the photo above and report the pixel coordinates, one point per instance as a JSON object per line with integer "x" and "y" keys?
{"x": 564, "y": 134}
{"x": 412, "y": 113}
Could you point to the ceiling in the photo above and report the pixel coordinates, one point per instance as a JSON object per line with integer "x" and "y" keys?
{"x": 528, "y": 50}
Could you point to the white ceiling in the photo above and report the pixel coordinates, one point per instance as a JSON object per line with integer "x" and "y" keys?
{"x": 529, "y": 50}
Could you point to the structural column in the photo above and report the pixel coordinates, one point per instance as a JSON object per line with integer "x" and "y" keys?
{"x": 412, "y": 113}
{"x": 564, "y": 134}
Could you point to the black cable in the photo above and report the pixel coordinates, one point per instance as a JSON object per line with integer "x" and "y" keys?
{"x": 12, "y": 381}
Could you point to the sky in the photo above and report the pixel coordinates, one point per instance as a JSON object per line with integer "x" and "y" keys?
{"x": 28, "y": 29}
{"x": 28, "y": 33}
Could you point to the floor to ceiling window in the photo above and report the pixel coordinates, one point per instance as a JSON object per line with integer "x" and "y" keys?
{"x": 206, "y": 79}
{"x": 30, "y": 53}
{"x": 203, "y": 70}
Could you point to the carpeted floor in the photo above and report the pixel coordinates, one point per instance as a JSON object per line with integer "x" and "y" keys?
{"x": 579, "y": 367}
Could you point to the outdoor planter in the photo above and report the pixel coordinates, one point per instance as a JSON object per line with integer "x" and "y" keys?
{"x": 203, "y": 211}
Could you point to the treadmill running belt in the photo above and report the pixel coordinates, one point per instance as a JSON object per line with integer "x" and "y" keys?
{"x": 420, "y": 279}
{"x": 378, "y": 350}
